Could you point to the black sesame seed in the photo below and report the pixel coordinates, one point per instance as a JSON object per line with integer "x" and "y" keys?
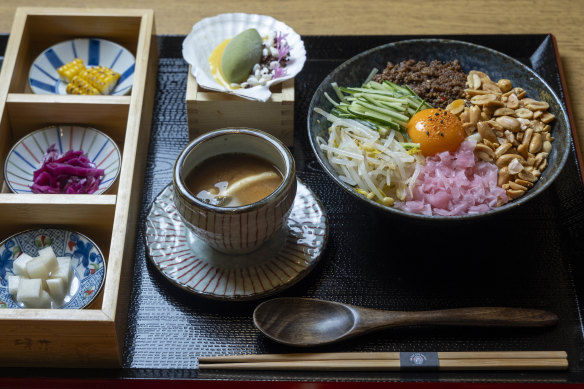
{"x": 428, "y": 133}
{"x": 441, "y": 121}
{"x": 442, "y": 135}
{"x": 437, "y": 113}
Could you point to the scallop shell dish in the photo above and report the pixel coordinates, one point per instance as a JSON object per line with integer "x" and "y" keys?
{"x": 243, "y": 54}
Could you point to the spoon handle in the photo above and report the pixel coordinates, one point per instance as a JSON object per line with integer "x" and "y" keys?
{"x": 480, "y": 316}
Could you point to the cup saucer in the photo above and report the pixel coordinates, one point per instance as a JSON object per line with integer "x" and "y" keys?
{"x": 191, "y": 264}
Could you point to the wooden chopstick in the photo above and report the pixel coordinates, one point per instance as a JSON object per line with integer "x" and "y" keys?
{"x": 391, "y": 361}
{"x": 383, "y": 356}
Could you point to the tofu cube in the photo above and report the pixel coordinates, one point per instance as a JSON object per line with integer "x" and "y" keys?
{"x": 29, "y": 291}
{"x": 48, "y": 257}
{"x": 19, "y": 265}
{"x": 36, "y": 268}
{"x": 13, "y": 282}
{"x": 56, "y": 287}
{"x": 64, "y": 270}
{"x": 43, "y": 302}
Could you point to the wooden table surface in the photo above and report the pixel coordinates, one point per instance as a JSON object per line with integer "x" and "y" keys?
{"x": 562, "y": 18}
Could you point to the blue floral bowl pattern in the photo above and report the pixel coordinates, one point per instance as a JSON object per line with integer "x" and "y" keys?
{"x": 86, "y": 259}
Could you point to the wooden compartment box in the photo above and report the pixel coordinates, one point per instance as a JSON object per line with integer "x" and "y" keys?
{"x": 209, "y": 110}
{"x": 91, "y": 337}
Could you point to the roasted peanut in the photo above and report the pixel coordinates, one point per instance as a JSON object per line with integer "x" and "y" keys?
{"x": 480, "y": 147}
{"x": 527, "y": 176}
{"x": 505, "y": 160}
{"x": 476, "y": 92}
{"x": 535, "y": 144}
{"x": 522, "y": 149}
{"x": 515, "y": 166}
{"x": 485, "y": 99}
{"x": 527, "y": 136}
{"x": 547, "y": 117}
{"x": 486, "y": 132}
{"x": 513, "y": 101}
{"x": 524, "y": 183}
{"x": 523, "y": 113}
{"x": 456, "y": 107}
{"x": 474, "y": 114}
{"x": 519, "y": 92}
{"x": 513, "y": 193}
{"x": 509, "y": 123}
{"x": 505, "y": 85}
{"x": 504, "y": 112}
{"x": 516, "y": 186}
{"x": 502, "y": 149}
{"x": 491, "y": 87}
{"x": 504, "y": 176}
{"x": 537, "y": 106}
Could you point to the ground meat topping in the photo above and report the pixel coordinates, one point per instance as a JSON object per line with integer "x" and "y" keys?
{"x": 439, "y": 83}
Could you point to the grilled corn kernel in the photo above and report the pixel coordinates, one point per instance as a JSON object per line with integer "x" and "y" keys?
{"x": 96, "y": 80}
{"x": 103, "y": 78}
{"x": 79, "y": 86}
{"x": 71, "y": 69}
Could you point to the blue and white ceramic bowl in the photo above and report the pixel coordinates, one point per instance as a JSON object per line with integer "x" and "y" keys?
{"x": 27, "y": 154}
{"x": 86, "y": 259}
{"x": 44, "y": 79}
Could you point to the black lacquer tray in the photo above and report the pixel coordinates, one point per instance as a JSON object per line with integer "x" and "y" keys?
{"x": 529, "y": 257}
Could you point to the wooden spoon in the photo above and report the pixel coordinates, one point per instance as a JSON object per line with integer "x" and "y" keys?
{"x": 311, "y": 322}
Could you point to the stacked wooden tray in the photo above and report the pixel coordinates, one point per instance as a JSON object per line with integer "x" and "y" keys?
{"x": 209, "y": 110}
{"x": 91, "y": 337}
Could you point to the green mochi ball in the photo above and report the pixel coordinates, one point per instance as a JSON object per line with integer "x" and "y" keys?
{"x": 240, "y": 55}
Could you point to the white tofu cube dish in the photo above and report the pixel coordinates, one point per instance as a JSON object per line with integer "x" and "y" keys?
{"x": 41, "y": 281}
{"x": 19, "y": 265}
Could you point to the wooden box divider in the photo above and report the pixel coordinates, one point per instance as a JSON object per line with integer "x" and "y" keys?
{"x": 94, "y": 336}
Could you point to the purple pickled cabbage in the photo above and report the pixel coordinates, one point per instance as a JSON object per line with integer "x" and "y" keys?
{"x": 71, "y": 173}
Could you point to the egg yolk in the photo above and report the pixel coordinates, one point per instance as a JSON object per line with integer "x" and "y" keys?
{"x": 436, "y": 130}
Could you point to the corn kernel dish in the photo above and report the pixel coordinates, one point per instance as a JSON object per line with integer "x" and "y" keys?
{"x": 83, "y": 66}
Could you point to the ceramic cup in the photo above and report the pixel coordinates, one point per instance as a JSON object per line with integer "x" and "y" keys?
{"x": 235, "y": 230}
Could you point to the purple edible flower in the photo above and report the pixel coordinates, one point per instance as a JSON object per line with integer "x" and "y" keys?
{"x": 279, "y": 71}
{"x": 281, "y": 45}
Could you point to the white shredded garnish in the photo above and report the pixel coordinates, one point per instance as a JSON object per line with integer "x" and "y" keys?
{"x": 379, "y": 166}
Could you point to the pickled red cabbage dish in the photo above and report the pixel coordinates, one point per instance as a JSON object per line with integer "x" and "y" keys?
{"x": 70, "y": 173}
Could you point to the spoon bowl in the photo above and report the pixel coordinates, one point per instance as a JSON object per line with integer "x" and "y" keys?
{"x": 305, "y": 322}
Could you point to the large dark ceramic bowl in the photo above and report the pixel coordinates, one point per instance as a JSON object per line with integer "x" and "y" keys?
{"x": 472, "y": 57}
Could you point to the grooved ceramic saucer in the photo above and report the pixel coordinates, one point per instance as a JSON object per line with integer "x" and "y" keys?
{"x": 282, "y": 261}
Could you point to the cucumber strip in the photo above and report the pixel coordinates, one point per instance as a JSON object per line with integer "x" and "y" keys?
{"x": 381, "y": 92}
{"x": 383, "y": 97}
{"x": 374, "y": 116}
{"x": 371, "y": 75}
{"x": 398, "y": 107}
{"x": 338, "y": 92}
{"x": 388, "y": 112}
{"x": 330, "y": 99}
{"x": 398, "y": 88}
